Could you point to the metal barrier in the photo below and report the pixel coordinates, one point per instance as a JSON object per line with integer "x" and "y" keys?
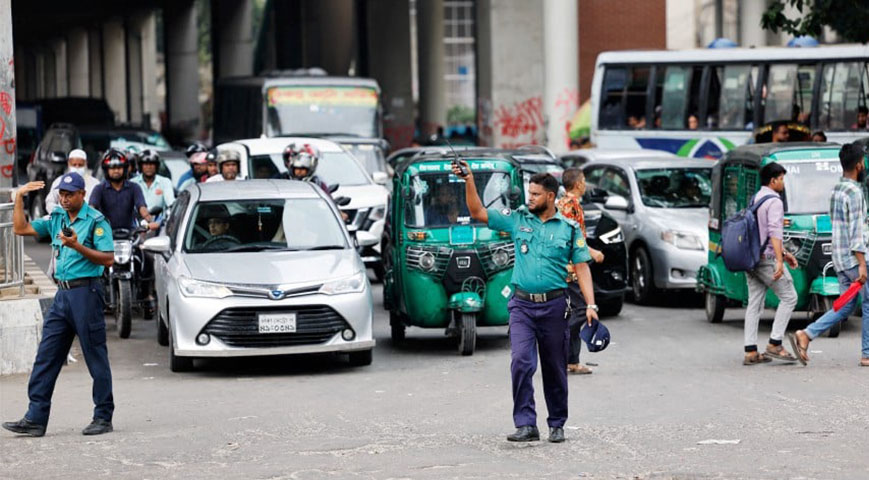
{"x": 11, "y": 252}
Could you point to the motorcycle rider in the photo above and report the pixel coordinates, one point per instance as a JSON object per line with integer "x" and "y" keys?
{"x": 301, "y": 162}
{"x": 228, "y": 164}
{"x": 157, "y": 189}
{"x": 197, "y": 155}
{"x": 211, "y": 164}
{"x": 118, "y": 198}
{"x": 76, "y": 162}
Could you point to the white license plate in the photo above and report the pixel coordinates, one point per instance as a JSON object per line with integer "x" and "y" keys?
{"x": 277, "y": 323}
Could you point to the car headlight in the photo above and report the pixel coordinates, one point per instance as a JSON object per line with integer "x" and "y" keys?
{"x": 683, "y": 240}
{"x": 427, "y": 261}
{"x": 123, "y": 251}
{"x": 500, "y": 257}
{"x": 613, "y": 236}
{"x": 195, "y": 288}
{"x": 351, "y": 284}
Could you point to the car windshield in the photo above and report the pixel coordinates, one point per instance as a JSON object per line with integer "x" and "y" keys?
{"x": 259, "y": 225}
{"x": 808, "y": 185}
{"x": 306, "y": 110}
{"x": 370, "y": 156}
{"x": 675, "y": 187}
{"x": 438, "y": 199}
{"x": 334, "y": 168}
{"x": 139, "y": 139}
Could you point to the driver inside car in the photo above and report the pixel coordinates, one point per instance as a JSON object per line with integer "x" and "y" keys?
{"x": 218, "y": 228}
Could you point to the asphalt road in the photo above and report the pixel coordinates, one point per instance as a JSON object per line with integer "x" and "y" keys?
{"x": 668, "y": 385}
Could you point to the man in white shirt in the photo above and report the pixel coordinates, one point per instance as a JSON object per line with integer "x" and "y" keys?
{"x": 77, "y": 161}
{"x": 228, "y": 164}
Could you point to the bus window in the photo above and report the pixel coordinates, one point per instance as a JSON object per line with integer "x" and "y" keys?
{"x": 804, "y": 94}
{"x": 635, "y": 106}
{"x": 713, "y": 98}
{"x": 736, "y": 101}
{"x": 680, "y": 98}
{"x": 613, "y": 92}
{"x": 843, "y": 92}
{"x": 780, "y": 93}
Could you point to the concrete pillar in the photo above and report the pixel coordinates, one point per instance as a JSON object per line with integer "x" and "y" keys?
{"x": 135, "y": 68}
{"x": 77, "y": 62}
{"x": 150, "y": 105}
{"x": 510, "y": 74}
{"x": 432, "y": 87}
{"x": 95, "y": 62}
{"x": 682, "y": 24}
{"x": 182, "y": 69}
{"x": 58, "y": 46}
{"x": 232, "y": 37}
{"x": 390, "y": 64}
{"x": 751, "y": 33}
{"x": 330, "y": 35}
{"x": 7, "y": 97}
{"x": 115, "y": 58}
{"x": 561, "y": 75}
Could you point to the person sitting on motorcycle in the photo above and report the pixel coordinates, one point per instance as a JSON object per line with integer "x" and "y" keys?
{"x": 118, "y": 198}
{"x": 228, "y": 163}
{"x": 133, "y": 159}
{"x": 211, "y": 164}
{"x": 301, "y": 162}
{"x": 157, "y": 189}
{"x": 197, "y": 155}
{"x": 76, "y": 162}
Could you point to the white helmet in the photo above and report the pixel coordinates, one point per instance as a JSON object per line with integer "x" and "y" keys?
{"x": 307, "y": 156}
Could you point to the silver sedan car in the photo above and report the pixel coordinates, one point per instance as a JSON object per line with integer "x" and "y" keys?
{"x": 260, "y": 267}
{"x": 662, "y": 205}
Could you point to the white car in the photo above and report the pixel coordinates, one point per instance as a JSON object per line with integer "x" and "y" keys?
{"x": 237, "y": 276}
{"x": 263, "y": 158}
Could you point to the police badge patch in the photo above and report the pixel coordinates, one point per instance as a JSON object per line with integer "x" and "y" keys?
{"x": 506, "y": 211}
{"x": 523, "y": 248}
{"x": 580, "y": 242}
{"x": 99, "y": 231}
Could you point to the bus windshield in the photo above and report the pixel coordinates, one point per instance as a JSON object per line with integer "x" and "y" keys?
{"x": 808, "y": 185}
{"x": 308, "y": 110}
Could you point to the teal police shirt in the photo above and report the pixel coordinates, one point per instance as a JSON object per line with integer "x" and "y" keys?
{"x": 93, "y": 232}
{"x": 543, "y": 249}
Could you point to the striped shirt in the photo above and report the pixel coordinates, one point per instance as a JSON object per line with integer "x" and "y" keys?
{"x": 848, "y": 217}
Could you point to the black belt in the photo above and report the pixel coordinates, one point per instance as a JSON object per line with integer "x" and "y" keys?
{"x": 78, "y": 282}
{"x": 539, "y": 297}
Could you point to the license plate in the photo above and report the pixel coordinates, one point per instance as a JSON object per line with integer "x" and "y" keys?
{"x": 277, "y": 323}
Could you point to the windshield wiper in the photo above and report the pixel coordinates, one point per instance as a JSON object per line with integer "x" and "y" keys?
{"x": 260, "y": 248}
{"x": 325, "y": 247}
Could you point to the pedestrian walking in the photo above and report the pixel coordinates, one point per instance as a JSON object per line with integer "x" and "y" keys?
{"x": 573, "y": 180}
{"x": 848, "y": 215}
{"x": 770, "y": 272}
{"x": 545, "y": 242}
{"x": 81, "y": 240}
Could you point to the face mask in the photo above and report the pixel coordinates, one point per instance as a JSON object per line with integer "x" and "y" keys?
{"x": 79, "y": 170}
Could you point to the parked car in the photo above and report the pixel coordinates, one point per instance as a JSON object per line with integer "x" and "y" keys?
{"x": 662, "y": 205}
{"x": 263, "y": 158}
{"x": 49, "y": 162}
{"x": 602, "y": 233}
{"x": 236, "y": 276}
{"x": 578, "y": 158}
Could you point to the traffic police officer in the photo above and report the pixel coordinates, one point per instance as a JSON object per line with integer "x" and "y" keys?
{"x": 545, "y": 242}
{"x": 81, "y": 240}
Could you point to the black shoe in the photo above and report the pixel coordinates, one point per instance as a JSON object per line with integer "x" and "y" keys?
{"x": 528, "y": 433}
{"x": 25, "y": 427}
{"x": 98, "y": 427}
{"x": 556, "y": 434}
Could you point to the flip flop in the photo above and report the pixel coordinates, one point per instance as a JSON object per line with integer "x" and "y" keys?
{"x": 784, "y": 356}
{"x": 760, "y": 358}
{"x": 802, "y": 353}
{"x": 864, "y": 362}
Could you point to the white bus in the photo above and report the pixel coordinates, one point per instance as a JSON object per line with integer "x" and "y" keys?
{"x": 702, "y": 103}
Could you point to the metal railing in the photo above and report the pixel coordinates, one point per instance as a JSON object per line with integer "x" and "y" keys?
{"x": 11, "y": 252}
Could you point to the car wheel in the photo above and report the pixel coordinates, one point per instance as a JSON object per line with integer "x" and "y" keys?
{"x": 611, "y": 308}
{"x": 714, "y": 307}
{"x": 397, "y": 328}
{"x": 642, "y": 279}
{"x": 178, "y": 364}
{"x": 361, "y": 359}
{"x": 379, "y": 272}
{"x": 162, "y": 331}
{"x": 468, "y": 334}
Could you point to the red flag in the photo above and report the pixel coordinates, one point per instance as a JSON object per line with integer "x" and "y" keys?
{"x": 847, "y": 296}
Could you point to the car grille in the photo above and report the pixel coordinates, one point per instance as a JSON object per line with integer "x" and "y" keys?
{"x": 239, "y": 327}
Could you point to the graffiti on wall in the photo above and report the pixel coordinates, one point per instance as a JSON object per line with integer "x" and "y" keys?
{"x": 520, "y": 124}
{"x": 7, "y": 122}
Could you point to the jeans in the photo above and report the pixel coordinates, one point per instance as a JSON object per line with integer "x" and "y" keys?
{"x": 827, "y": 320}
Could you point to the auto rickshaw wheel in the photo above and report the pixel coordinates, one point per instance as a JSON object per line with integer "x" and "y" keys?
{"x": 825, "y": 304}
{"x": 397, "y": 328}
{"x": 467, "y": 334}
{"x": 835, "y": 330}
{"x": 715, "y": 305}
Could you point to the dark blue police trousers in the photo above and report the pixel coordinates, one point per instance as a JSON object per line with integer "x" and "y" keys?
{"x": 543, "y": 325}
{"x": 78, "y": 311}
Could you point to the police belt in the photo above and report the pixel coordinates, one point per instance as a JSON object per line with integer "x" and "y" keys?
{"x": 78, "y": 282}
{"x": 539, "y": 297}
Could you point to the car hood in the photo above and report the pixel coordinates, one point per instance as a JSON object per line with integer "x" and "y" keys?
{"x": 273, "y": 268}
{"x": 362, "y": 196}
{"x": 692, "y": 220}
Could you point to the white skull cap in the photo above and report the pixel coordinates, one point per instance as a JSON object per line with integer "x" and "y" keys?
{"x": 77, "y": 153}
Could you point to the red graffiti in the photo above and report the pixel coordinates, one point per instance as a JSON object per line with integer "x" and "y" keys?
{"x": 567, "y": 102}
{"x": 523, "y": 118}
{"x": 6, "y": 171}
{"x": 6, "y": 102}
{"x": 9, "y": 146}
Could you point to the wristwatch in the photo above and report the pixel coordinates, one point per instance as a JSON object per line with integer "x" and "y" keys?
{"x": 593, "y": 307}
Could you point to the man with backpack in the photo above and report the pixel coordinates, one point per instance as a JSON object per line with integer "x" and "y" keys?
{"x": 770, "y": 271}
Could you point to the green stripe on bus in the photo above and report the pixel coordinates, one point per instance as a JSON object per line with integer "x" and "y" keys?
{"x": 727, "y": 143}
{"x": 686, "y": 149}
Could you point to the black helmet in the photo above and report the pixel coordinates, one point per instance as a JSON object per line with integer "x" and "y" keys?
{"x": 115, "y": 158}
{"x": 149, "y": 156}
{"x": 195, "y": 147}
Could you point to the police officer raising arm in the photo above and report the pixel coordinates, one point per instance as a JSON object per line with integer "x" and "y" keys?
{"x": 81, "y": 240}
{"x": 545, "y": 242}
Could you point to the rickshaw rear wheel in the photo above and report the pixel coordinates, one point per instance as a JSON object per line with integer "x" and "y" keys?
{"x": 397, "y": 328}
{"x": 715, "y": 307}
{"x": 468, "y": 334}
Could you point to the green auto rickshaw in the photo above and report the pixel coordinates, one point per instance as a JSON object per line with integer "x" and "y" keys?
{"x": 813, "y": 169}
{"x": 442, "y": 268}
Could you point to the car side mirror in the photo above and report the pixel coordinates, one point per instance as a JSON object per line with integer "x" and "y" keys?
{"x": 342, "y": 201}
{"x": 616, "y": 202}
{"x": 157, "y": 244}
{"x": 365, "y": 239}
{"x": 333, "y": 188}
{"x": 597, "y": 195}
{"x": 380, "y": 178}
{"x": 515, "y": 194}
{"x": 58, "y": 157}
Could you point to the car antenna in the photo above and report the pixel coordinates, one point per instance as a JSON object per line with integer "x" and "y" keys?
{"x": 462, "y": 169}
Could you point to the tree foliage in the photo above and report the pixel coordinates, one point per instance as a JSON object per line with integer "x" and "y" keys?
{"x": 848, "y": 18}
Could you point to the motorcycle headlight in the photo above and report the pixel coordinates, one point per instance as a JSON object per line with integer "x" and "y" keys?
{"x": 427, "y": 261}
{"x": 500, "y": 257}
{"x": 683, "y": 240}
{"x": 195, "y": 288}
{"x": 613, "y": 236}
{"x": 352, "y": 284}
{"x": 123, "y": 251}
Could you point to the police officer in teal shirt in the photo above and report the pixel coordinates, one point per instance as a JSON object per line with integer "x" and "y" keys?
{"x": 81, "y": 241}
{"x": 545, "y": 242}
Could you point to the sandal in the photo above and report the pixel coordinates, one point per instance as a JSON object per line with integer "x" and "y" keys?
{"x": 864, "y": 362}
{"x": 780, "y": 353}
{"x": 578, "y": 369}
{"x": 802, "y": 353}
{"x": 755, "y": 359}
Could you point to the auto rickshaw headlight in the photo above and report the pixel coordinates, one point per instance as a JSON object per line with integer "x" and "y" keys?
{"x": 500, "y": 258}
{"x": 427, "y": 261}
{"x": 792, "y": 245}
